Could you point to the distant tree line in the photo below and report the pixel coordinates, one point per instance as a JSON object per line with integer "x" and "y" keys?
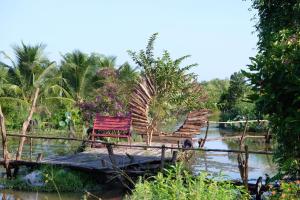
{"x": 72, "y": 91}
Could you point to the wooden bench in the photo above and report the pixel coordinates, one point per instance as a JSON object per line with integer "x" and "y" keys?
{"x": 109, "y": 126}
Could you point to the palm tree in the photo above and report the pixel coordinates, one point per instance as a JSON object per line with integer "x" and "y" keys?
{"x": 79, "y": 72}
{"x": 26, "y": 77}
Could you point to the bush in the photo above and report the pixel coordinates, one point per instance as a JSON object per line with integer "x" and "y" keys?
{"x": 177, "y": 183}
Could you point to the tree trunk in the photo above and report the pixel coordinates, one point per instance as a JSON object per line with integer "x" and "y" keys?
{"x": 26, "y": 124}
{"x": 4, "y": 144}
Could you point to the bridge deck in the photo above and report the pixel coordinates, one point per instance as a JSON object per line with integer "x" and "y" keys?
{"x": 98, "y": 159}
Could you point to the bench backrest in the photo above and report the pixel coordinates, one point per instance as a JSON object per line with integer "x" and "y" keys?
{"x": 110, "y": 123}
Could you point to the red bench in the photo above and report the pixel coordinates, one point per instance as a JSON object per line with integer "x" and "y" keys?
{"x": 109, "y": 126}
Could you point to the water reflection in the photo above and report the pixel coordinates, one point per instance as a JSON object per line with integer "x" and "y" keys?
{"x": 226, "y": 163}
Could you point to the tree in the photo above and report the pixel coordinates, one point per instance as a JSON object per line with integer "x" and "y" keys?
{"x": 78, "y": 74}
{"x": 275, "y": 73}
{"x": 114, "y": 94}
{"x": 214, "y": 90}
{"x": 234, "y": 103}
{"x": 26, "y": 77}
{"x": 177, "y": 90}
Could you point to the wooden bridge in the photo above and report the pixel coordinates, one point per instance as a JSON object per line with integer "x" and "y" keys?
{"x": 134, "y": 159}
{"x": 109, "y": 159}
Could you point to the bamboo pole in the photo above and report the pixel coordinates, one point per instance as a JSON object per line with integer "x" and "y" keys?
{"x": 234, "y": 122}
{"x": 244, "y": 132}
{"x": 206, "y": 133}
{"x": 141, "y": 146}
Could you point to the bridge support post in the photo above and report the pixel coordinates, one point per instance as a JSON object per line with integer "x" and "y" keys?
{"x": 174, "y": 157}
{"x": 243, "y": 166}
{"x": 30, "y": 149}
{"x": 162, "y": 160}
{"x": 111, "y": 154}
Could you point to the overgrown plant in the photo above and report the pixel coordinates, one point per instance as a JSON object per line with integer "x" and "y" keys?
{"x": 177, "y": 183}
{"x": 177, "y": 89}
{"x": 275, "y": 73}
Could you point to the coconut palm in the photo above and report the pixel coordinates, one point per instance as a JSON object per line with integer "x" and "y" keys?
{"x": 26, "y": 78}
{"x": 79, "y": 73}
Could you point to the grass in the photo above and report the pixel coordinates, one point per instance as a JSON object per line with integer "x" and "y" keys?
{"x": 56, "y": 180}
{"x": 177, "y": 183}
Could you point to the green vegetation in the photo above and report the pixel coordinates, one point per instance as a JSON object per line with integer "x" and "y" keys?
{"x": 288, "y": 190}
{"x": 214, "y": 89}
{"x": 56, "y": 179}
{"x": 234, "y": 103}
{"x": 274, "y": 74}
{"x": 177, "y": 183}
{"x": 177, "y": 90}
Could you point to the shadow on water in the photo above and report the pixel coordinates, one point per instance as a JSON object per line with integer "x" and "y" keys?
{"x": 226, "y": 163}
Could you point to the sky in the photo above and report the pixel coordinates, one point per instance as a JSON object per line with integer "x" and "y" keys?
{"x": 218, "y": 34}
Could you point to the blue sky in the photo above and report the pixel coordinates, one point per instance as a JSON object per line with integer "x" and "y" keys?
{"x": 218, "y": 34}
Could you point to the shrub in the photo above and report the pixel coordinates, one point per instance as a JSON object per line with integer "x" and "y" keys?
{"x": 177, "y": 183}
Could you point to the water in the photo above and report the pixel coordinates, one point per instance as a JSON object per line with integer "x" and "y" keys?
{"x": 51, "y": 148}
{"x": 22, "y": 195}
{"x": 211, "y": 162}
{"x": 226, "y": 163}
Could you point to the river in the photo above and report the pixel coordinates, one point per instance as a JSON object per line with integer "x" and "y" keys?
{"x": 211, "y": 162}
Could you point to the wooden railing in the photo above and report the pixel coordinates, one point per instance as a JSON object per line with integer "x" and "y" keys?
{"x": 243, "y": 155}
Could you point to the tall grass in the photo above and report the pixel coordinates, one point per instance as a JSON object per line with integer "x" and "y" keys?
{"x": 179, "y": 184}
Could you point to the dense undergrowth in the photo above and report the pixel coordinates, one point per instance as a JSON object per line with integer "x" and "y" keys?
{"x": 177, "y": 183}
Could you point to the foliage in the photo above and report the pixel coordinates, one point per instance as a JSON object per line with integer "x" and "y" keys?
{"x": 114, "y": 95}
{"x": 177, "y": 90}
{"x": 28, "y": 71}
{"x": 214, "y": 90}
{"x": 177, "y": 183}
{"x": 79, "y": 74}
{"x": 56, "y": 180}
{"x": 234, "y": 103}
{"x": 288, "y": 190}
{"x": 274, "y": 74}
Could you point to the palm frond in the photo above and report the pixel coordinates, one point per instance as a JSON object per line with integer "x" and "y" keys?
{"x": 13, "y": 100}
{"x": 48, "y": 72}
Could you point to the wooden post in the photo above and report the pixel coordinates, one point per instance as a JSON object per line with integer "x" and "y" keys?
{"x": 39, "y": 157}
{"x": 26, "y": 124}
{"x": 30, "y": 149}
{"x": 174, "y": 157}
{"x": 246, "y": 166}
{"x": 268, "y": 136}
{"x": 206, "y": 133}
{"x": 4, "y": 144}
{"x": 243, "y": 166}
{"x": 162, "y": 160}
{"x": 178, "y": 144}
{"x": 243, "y": 135}
{"x": 103, "y": 163}
{"x": 111, "y": 154}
